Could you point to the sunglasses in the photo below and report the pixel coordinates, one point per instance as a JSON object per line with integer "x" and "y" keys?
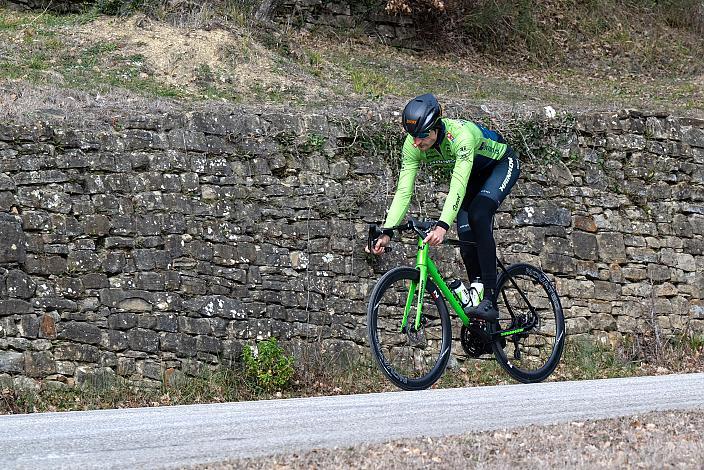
{"x": 421, "y": 135}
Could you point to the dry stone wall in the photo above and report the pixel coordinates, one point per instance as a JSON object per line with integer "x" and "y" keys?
{"x": 162, "y": 244}
{"x": 369, "y": 17}
{"x": 59, "y": 6}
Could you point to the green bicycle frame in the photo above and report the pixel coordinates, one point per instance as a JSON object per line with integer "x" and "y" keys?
{"x": 426, "y": 268}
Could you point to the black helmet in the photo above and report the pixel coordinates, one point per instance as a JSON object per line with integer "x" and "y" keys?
{"x": 421, "y": 115}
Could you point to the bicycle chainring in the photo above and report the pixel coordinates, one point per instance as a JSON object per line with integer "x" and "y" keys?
{"x": 472, "y": 340}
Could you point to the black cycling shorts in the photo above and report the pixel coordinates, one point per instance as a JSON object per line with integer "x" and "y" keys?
{"x": 494, "y": 183}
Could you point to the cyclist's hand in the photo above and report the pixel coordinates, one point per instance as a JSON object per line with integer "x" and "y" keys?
{"x": 381, "y": 242}
{"x": 436, "y": 236}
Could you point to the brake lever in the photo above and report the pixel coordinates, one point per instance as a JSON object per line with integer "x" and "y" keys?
{"x": 373, "y": 235}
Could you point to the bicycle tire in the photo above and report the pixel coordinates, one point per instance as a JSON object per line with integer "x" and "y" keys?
{"x": 411, "y": 361}
{"x": 540, "y": 347}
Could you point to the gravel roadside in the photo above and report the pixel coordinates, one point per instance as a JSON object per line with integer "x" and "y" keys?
{"x": 653, "y": 440}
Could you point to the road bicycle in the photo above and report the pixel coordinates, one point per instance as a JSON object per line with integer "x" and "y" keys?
{"x": 410, "y": 332}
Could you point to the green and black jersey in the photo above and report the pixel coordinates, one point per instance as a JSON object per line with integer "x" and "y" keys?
{"x": 464, "y": 145}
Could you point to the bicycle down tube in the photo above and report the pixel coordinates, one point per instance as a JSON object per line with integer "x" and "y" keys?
{"x": 427, "y": 268}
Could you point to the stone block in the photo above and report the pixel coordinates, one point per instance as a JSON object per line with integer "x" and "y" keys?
{"x": 143, "y": 340}
{"x": 232, "y": 350}
{"x": 76, "y": 352}
{"x": 15, "y": 307}
{"x": 24, "y": 383}
{"x": 577, "y": 325}
{"x": 181, "y": 344}
{"x": 122, "y": 321}
{"x": 12, "y": 240}
{"x": 666, "y": 290}
{"x": 28, "y": 326}
{"x": 662, "y": 129}
{"x": 208, "y": 344}
{"x": 135, "y": 305}
{"x": 693, "y": 136}
{"x": 662, "y": 306}
{"x": 195, "y": 326}
{"x": 659, "y": 273}
{"x": 119, "y": 298}
{"x": 80, "y": 332}
{"x": 626, "y": 324}
{"x": 7, "y": 199}
{"x": 82, "y": 261}
{"x": 222, "y": 306}
{"x": 146, "y": 321}
{"x": 126, "y": 366}
{"x": 20, "y": 344}
{"x": 585, "y": 224}
{"x": 19, "y": 284}
{"x": 101, "y": 378}
{"x": 546, "y": 215}
{"x": 66, "y": 368}
{"x": 8, "y": 328}
{"x": 114, "y": 340}
{"x": 55, "y": 303}
{"x": 625, "y": 142}
{"x": 39, "y": 364}
{"x": 150, "y": 281}
{"x": 138, "y": 139}
{"x": 634, "y": 273}
{"x": 95, "y": 281}
{"x": 6, "y": 183}
{"x": 696, "y": 310}
{"x": 150, "y": 369}
{"x": 612, "y": 248}
{"x": 585, "y": 245}
{"x": 603, "y": 322}
{"x": 11, "y": 362}
{"x": 115, "y": 262}
{"x": 558, "y": 245}
{"x": 642, "y": 255}
{"x": 557, "y": 263}
{"x": 686, "y": 262}
{"x": 96, "y": 225}
{"x": 604, "y": 290}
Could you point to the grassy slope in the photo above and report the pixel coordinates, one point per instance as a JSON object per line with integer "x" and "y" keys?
{"x": 585, "y": 61}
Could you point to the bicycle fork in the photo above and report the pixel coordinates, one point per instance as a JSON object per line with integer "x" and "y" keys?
{"x": 417, "y": 289}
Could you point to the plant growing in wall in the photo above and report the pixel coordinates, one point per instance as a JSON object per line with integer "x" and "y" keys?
{"x": 267, "y": 367}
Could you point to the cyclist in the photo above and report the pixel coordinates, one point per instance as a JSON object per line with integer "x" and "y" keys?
{"x": 484, "y": 170}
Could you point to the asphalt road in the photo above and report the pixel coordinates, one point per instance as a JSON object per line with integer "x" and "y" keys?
{"x": 183, "y": 435}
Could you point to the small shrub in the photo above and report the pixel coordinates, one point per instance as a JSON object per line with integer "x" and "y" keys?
{"x": 267, "y": 367}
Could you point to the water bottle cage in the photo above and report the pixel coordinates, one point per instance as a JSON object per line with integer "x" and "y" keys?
{"x": 476, "y": 293}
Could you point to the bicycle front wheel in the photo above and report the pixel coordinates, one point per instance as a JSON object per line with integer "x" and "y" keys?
{"x": 411, "y": 359}
{"x": 528, "y": 301}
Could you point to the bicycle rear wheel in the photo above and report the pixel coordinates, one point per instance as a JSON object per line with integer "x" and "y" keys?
{"x": 527, "y": 299}
{"x": 410, "y": 359}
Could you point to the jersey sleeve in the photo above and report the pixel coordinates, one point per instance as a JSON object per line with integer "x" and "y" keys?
{"x": 464, "y": 154}
{"x": 410, "y": 161}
